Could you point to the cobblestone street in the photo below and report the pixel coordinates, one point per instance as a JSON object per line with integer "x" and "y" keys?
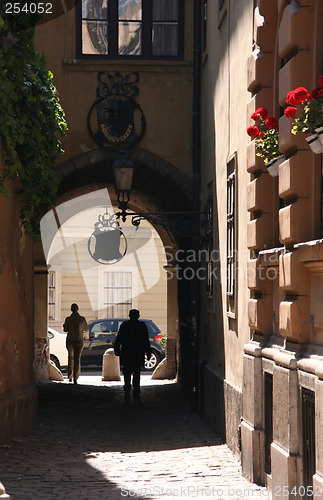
{"x": 90, "y": 444}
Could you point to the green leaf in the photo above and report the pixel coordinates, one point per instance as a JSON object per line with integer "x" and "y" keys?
{"x": 33, "y": 117}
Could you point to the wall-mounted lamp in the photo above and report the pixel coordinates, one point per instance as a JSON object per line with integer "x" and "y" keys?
{"x": 123, "y": 169}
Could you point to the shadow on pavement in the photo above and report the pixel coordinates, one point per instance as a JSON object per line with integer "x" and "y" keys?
{"x": 101, "y": 415}
{"x": 89, "y": 442}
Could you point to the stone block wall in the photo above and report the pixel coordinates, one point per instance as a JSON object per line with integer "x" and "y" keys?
{"x": 285, "y": 270}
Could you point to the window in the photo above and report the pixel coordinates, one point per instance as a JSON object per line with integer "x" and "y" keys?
{"x": 308, "y": 431}
{"x": 104, "y": 329}
{"x": 209, "y": 243}
{"x": 117, "y": 294}
{"x": 146, "y": 29}
{"x": 222, "y": 10}
{"x": 104, "y": 326}
{"x": 268, "y": 420}
{"x": 204, "y": 23}
{"x": 51, "y": 294}
{"x": 231, "y": 234}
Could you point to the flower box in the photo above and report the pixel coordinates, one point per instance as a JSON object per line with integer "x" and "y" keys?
{"x": 319, "y": 132}
{"x": 309, "y": 114}
{"x": 314, "y": 143}
{"x": 273, "y": 165}
{"x": 265, "y": 134}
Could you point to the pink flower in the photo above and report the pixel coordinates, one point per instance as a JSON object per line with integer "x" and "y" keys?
{"x": 253, "y": 131}
{"x": 271, "y": 123}
{"x": 290, "y": 112}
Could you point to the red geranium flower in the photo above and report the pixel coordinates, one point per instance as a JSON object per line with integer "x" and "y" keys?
{"x": 317, "y": 93}
{"x": 261, "y": 134}
{"x": 253, "y": 131}
{"x": 271, "y": 123}
{"x": 290, "y": 112}
{"x": 321, "y": 81}
{"x": 290, "y": 99}
{"x": 260, "y": 114}
{"x": 297, "y": 96}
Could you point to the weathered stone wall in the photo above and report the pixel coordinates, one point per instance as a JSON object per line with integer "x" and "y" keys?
{"x": 17, "y": 387}
{"x": 212, "y": 395}
{"x": 224, "y": 322}
{"x": 221, "y": 407}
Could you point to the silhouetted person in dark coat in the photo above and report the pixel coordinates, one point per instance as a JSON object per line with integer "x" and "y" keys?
{"x": 132, "y": 343}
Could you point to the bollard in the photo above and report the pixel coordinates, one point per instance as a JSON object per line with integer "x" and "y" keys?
{"x": 54, "y": 373}
{"x": 110, "y": 366}
{"x": 3, "y": 494}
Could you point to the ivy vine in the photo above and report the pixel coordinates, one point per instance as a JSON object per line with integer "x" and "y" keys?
{"x": 31, "y": 118}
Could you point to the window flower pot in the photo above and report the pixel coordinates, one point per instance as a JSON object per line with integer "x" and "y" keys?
{"x": 314, "y": 143}
{"x": 319, "y": 132}
{"x": 273, "y": 165}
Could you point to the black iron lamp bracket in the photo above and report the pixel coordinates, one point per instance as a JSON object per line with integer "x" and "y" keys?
{"x": 184, "y": 224}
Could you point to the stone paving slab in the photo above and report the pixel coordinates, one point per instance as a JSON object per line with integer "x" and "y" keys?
{"x": 91, "y": 444}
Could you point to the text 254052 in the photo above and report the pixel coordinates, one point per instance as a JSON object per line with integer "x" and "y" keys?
{"x": 29, "y": 8}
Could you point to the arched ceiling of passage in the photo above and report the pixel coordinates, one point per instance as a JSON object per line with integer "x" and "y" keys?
{"x": 158, "y": 184}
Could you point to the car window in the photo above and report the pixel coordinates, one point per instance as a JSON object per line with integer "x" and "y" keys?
{"x": 113, "y": 325}
{"x": 103, "y": 328}
{"x": 107, "y": 326}
{"x": 96, "y": 327}
{"x": 152, "y": 328}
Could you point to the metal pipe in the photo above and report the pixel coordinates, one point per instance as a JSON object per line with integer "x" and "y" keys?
{"x": 195, "y": 291}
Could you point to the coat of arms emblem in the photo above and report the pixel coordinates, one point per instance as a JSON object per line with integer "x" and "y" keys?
{"x": 120, "y": 119}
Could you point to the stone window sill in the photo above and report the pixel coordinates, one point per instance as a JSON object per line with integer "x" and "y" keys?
{"x": 113, "y": 65}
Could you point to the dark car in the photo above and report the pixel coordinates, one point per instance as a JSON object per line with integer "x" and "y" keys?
{"x": 103, "y": 333}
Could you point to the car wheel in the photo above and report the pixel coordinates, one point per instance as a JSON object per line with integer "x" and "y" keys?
{"x": 55, "y": 361}
{"x": 153, "y": 362}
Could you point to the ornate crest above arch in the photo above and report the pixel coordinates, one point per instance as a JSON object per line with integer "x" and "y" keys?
{"x": 120, "y": 119}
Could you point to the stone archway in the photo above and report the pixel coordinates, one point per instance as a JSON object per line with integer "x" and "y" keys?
{"x": 158, "y": 186}
{"x": 162, "y": 184}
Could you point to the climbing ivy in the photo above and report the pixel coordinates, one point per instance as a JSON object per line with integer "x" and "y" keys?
{"x": 31, "y": 118}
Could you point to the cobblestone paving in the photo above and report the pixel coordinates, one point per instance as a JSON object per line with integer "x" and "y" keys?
{"x": 91, "y": 444}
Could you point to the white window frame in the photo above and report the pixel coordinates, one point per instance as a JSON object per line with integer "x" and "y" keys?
{"x": 57, "y": 295}
{"x": 120, "y": 269}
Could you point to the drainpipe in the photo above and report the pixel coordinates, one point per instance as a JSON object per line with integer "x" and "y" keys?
{"x": 196, "y": 160}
